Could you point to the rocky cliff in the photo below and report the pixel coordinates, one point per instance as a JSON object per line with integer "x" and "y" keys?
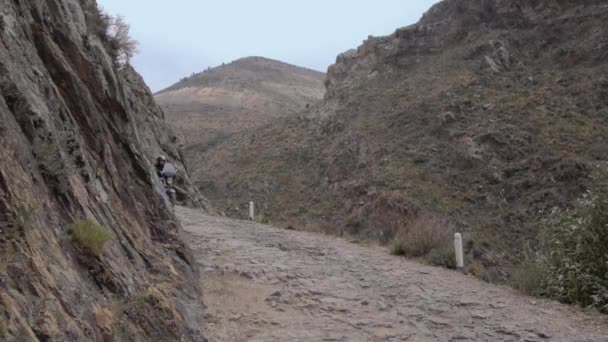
{"x": 487, "y": 112}
{"x": 89, "y": 249}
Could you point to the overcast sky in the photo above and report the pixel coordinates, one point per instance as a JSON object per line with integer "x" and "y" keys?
{"x": 180, "y": 37}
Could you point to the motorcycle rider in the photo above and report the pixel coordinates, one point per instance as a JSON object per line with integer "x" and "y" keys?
{"x": 167, "y": 173}
{"x": 159, "y": 165}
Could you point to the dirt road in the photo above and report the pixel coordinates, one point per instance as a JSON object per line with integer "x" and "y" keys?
{"x": 266, "y": 284}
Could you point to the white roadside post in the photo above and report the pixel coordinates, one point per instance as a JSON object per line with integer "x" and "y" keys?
{"x": 251, "y": 211}
{"x": 459, "y": 253}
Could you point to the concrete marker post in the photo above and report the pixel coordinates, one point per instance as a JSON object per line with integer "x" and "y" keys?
{"x": 251, "y": 211}
{"x": 459, "y": 252}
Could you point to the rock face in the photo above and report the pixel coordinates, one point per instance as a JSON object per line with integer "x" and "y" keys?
{"x": 78, "y": 134}
{"x": 248, "y": 93}
{"x": 488, "y": 112}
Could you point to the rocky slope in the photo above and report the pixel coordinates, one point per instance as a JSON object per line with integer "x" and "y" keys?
{"x": 248, "y": 93}
{"x": 78, "y": 132}
{"x": 488, "y": 112}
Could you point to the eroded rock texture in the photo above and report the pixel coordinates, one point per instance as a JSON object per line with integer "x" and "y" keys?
{"x": 77, "y": 134}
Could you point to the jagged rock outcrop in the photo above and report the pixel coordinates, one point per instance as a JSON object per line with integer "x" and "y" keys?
{"x": 488, "y": 112}
{"x": 78, "y": 133}
{"x": 449, "y": 24}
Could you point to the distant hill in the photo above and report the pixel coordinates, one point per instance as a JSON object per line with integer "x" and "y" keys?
{"x": 246, "y": 93}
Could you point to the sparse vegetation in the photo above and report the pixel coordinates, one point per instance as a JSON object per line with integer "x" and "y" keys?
{"x": 427, "y": 232}
{"x": 573, "y": 250}
{"x": 3, "y": 329}
{"x": 56, "y": 165}
{"x": 23, "y": 216}
{"x": 528, "y": 277}
{"x": 478, "y": 270}
{"x": 89, "y": 236}
{"x": 572, "y": 264}
{"x": 114, "y": 32}
{"x": 153, "y": 314}
{"x": 122, "y": 328}
{"x": 147, "y": 297}
{"x": 98, "y": 22}
{"x": 443, "y": 257}
{"x": 122, "y": 46}
{"x": 6, "y": 258}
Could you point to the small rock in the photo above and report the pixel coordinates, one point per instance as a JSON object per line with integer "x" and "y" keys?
{"x": 438, "y": 320}
{"x": 246, "y": 275}
{"x": 364, "y": 302}
{"x": 464, "y": 336}
{"x": 468, "y": 302}
{"x": 481, "y": 314}
{"x": 235, "y": 317}
{"x": 543, "y": 335}
{"x": 382, "y": 306}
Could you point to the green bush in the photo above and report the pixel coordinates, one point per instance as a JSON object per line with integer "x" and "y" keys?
{"x": 89, "y": 236}
{"x": 444, "y": 257}
{"x": 572, "y": 262}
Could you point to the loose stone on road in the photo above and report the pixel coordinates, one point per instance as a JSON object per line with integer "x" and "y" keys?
{"x": 261, "y": 283}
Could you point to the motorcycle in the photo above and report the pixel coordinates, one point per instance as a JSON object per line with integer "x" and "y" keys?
{"x": 168, "y": 175}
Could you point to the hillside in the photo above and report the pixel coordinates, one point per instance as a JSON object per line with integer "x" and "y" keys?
{"x": 89, "y": 248}
{"x": 247, "y": 93}
{"x": 486, "y": 112}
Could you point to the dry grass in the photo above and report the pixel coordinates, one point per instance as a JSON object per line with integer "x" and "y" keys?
{"x": 89, "y": 236}
{"x": 427, "y": 232}
{"x": 528, "y": 278}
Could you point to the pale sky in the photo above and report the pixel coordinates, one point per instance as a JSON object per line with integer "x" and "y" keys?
{"x": 180, "y": 37}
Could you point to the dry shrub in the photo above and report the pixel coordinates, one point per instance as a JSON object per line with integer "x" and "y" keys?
{"x": 528, "y": 277}
{"x": 114, "y": 32}
{"x": 89, "y": 236}
{"x": 427, "y": 232}
{"x": 98, "y": 22}
{"x": 123, "y": 47}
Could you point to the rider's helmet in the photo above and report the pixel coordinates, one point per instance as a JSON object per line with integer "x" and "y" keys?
{"x": 161, "y": 159}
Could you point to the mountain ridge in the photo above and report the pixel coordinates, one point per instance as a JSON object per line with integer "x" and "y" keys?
{"x": 250, "y": 92}
{"x": 244, "y": 61}
{"x": 487, "y": 112}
